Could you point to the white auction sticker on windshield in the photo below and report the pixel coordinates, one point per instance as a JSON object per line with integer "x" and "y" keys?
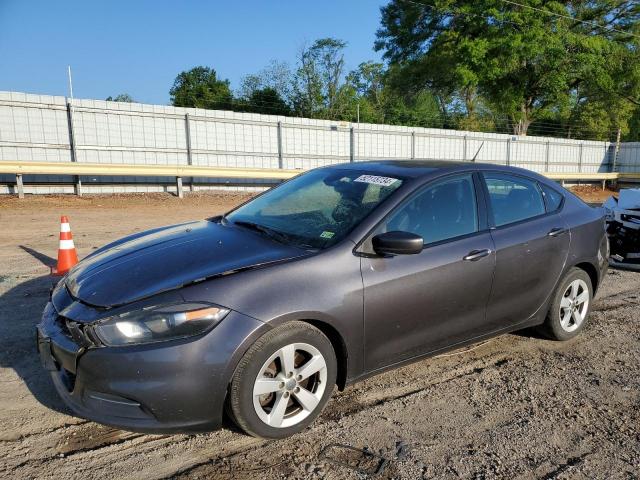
{"x": 376, "y": 180}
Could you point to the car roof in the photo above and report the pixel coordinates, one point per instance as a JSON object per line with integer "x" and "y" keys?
{"x": 420, "y": 168}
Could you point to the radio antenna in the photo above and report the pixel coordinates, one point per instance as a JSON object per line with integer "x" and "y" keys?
{"x": 476, "y": 155}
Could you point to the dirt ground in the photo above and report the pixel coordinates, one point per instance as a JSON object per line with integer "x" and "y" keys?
{"x": 594, "y": 193}
{"x": 517, "y": 407}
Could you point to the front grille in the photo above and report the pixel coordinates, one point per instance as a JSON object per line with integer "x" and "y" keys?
{"x": 61, "y": 322}
{"x": 75, "y": 331}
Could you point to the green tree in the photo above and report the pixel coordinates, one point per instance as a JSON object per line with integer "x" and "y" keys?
{"x": 368, "y": 80}
{"x": 633, "y": 135}
{"x": 319, "y": 78}
{"x": 380, "y": 101}
{"x": 201, "y": 88}
{"x": 524, "y": 62}
{"x": 123, "y": 97}
{"x": 418, "y": 110}
{"x": 276, "y": 76}
{"x": 266, "y": 101}
{"x": 368, "y": 83}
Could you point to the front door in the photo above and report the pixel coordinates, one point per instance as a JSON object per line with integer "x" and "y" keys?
{"x": 416, "y": 304}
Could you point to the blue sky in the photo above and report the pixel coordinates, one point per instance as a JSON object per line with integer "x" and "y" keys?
{"x": 140, "y": 46}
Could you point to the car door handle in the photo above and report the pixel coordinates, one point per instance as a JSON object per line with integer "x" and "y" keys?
{"x": 474, "y": 255}
{"x": 555, "y": 232}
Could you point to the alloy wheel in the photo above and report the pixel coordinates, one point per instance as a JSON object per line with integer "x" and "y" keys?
{"x": 574, "y": 305}
{"x": 290, "y": 385}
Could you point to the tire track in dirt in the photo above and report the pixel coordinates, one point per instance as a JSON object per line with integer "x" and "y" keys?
{"x": 88, "y": 437}
{"x": 86, "y": 449}
{"x": 70, "y": 442}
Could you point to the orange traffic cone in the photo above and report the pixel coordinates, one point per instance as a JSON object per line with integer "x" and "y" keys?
{"x": 67, "y": 256}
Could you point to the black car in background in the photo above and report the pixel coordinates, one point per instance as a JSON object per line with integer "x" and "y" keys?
{"x": 338, "y": 274}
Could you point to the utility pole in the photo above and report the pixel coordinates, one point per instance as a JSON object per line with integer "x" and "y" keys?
{"x": 352, "y": 145}
{"x": 617, "y": 150}
{"x": 358, "y": 112}
{"x": 70, "y": 82}
{"x": 72, "y": 140}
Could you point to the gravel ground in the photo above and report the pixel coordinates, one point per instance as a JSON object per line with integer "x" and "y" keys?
{"x": 515, "y": 407}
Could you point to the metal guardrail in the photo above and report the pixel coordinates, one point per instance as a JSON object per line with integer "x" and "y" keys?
{"x": 99, "y": 169}
{"x": 76, "y": 168}
{"x": 583, "y": 176}
{"x": 594, "y": 177}
{"x": 20, "y": 168}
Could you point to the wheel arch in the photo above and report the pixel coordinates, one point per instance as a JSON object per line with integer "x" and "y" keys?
{"x": 335, "y": 337}
{"x": 592, "y": 271}
{"x": 339, "y": 348}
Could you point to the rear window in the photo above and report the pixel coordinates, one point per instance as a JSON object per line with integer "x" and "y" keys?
{"x": 552, "y": 198}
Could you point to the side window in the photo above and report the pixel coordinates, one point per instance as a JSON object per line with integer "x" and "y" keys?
{"x": 552, "y": 198}
{"x": 513, "y": 198}
{"x": 443, "y": 210}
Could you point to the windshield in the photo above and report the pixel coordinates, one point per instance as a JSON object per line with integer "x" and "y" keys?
{"x": 316, "y": 209}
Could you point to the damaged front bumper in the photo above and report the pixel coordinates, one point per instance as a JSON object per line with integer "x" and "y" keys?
{"x": 173, "y": 386}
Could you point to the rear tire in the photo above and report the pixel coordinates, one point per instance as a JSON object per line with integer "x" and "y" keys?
{"x": 569, "y": 311}
{"x": 283, "y": 381}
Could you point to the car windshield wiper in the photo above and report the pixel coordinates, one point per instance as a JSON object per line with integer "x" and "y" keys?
{"x": 270, "y": 232}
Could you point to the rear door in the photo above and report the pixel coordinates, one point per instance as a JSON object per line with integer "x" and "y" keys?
{"x": 532, "y": 243}
{"x": 415, "y": 304}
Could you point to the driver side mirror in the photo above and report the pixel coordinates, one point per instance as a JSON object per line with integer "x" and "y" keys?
{"x": 397, "y": 243}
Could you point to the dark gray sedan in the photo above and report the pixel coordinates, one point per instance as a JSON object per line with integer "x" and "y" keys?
{"x": 338, "y": 274}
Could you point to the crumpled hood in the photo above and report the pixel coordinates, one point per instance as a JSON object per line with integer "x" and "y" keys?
{"x": 163, "y": 259}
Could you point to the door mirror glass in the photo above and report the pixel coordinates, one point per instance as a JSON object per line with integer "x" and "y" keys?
{"x": 397, "y": 243}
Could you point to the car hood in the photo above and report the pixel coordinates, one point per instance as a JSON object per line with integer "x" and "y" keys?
{"x": 164, "y": 259}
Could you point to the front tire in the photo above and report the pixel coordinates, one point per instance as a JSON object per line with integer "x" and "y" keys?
{"x": 569, "y": 311}
{"x": 283, "y": 381}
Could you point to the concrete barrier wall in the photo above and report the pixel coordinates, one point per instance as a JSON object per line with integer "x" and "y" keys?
{"x": 628, "y": 159}
{"x": 40, "y": 128}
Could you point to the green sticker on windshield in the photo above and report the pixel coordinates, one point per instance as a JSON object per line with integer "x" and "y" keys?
{"x": 326, "y": 234}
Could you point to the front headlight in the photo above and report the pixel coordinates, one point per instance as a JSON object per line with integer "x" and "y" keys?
{"x": 155, "y": 324}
